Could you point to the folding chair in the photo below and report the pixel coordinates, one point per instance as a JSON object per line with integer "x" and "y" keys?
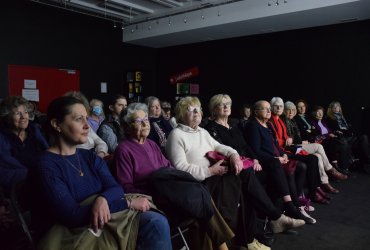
{"x": 22, "y": 212}
{"x": 179, "y": 230}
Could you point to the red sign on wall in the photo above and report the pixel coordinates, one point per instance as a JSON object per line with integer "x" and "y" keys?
{"x": 184, "y": 75}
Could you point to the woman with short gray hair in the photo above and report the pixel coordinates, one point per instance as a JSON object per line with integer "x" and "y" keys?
{"x": 317, "y": 149}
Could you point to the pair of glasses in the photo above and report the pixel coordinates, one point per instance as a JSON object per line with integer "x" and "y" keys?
{"x": 265, "y": 109}
{"x": 19, "y": 113}
{"x": 195, "y": 109}
{"x": 224, "y": 105}
{"x": 278, "y": 106}
{"x": 139, "y": 121}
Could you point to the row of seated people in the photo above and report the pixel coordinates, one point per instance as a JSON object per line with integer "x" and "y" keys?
{"x": 186, "y": 147}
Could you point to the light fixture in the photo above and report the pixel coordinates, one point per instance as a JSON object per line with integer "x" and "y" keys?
{"x": 169, "y": 3}
{"x": 277, "y": 2}
{"x": 114, "y": 25}
{"x": 149, "y": 27}
{"x": 185, "y": 20}
{"x": 169, "y": 21}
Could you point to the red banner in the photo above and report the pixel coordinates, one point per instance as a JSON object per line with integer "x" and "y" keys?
{"x": 185, "y": 75}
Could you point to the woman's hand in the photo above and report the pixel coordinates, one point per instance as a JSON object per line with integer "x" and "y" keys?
{"x": 257, "y": 166}
{"x": 141, "y": 204}
{"x": 331, "y": 135}
{"x": 217, "y": 168}
{"x": 289, "y": 141}
{"x": 100, "y": 213}
{"x": 236, "y": 163}
{"x": 101, "y": 154}
{"x": 283, "y": 159}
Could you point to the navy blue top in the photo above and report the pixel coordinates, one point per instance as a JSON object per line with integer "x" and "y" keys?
{"x": 61, "y": 188}
{"x": 262, "y": 141}
{"x": 16, "y": 155}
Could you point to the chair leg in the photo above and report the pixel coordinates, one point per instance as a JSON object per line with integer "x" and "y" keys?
{"x": 183, "y": 238}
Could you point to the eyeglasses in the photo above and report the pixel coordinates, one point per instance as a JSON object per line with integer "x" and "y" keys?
{"x": 278, "y": 106}
{"x": 19, "y": 113}
{"x": 265, "y": 109}
{"x": 195, "y": 109}
{"x": 139, "y": 121}
{"x": 224, "y": 105}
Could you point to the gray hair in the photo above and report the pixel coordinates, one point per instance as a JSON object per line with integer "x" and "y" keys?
{"x": 132, "y": 108}
{"x": 150, "y": 99}
{"x": 276, "y": 100}
{"x": 9, "y": 103}
{"x": 289, "y": 105}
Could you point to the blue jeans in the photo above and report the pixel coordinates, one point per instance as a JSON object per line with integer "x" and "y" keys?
{"x": 154, "y": 232}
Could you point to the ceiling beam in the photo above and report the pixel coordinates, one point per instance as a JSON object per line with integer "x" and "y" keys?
{"x": 133, "y": 6}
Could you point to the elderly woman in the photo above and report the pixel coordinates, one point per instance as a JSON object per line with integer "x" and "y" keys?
{"x": 221, "y": 130}
{"x": 337, "y": 147}
{"x": 294, "y": 152}
{"x": 338, "y": 123}
{"x": 20, "y": 141}
{"x": 137, "y": 157}
{"x": 96, "y": 116}
{"x": 160, "y": 128}
{"x": 75, "y": 193}
{"x": 187, "y": 147}
{"x": 312, "y": 148}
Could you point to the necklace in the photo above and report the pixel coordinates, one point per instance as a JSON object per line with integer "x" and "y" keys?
{"x": 79, "y": 170}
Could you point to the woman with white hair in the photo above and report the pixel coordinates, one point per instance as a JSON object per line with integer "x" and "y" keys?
{"x": 295, "y": 152}
{"x": 317, "y": 149}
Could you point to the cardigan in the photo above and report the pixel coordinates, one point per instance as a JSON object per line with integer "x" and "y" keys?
{"x": 186, "y": 149}
{"x": 262, "y": 141}
{"x": 135, "y": 162}
{"x": 232, "y": 137}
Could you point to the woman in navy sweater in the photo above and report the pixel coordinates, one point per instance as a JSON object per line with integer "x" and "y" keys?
{"x": 65, "y": 177}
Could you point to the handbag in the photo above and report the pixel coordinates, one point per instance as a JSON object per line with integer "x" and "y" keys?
{"x": 214, "y": 156}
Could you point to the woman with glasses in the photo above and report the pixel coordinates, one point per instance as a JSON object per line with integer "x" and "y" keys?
{"x": 187, "y": 147}
{"x": 20, "y": 141}
{"x": 137, "y": 157}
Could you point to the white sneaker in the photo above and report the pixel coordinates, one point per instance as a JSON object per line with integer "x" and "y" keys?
{"x": 303, "y": 211}
{"x": 285, "y": 223}
{"x": 256, "y": 245}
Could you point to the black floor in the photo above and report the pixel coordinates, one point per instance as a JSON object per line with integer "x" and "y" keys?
{"x": 342, "y": 225}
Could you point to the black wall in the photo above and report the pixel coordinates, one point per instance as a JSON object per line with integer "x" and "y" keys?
{"x": 318, "y": 64}
{"x": 37, "y": 35}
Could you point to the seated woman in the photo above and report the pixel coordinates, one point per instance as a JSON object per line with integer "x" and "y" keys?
{"x": 96, "y": 116}
{"x": 285, "y": 142}
{"x": 20, "y": 141}
{"x": 73, "y": 190}
{"x": 336, "y": 146}
{"x": 312, "y": 148}
{"x": 338, "y": 123}
{"x": 94, "y": 142}
{"x": 137, "y": 157}
{"x": 160, "y": 128}
{"x": 186, "y": 148}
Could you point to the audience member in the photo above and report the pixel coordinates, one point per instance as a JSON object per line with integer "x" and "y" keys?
{"x": 137, "y": 158}
{"x": 20, "y": 141}
{"x": 96, "y": 116}
{"x": 187, "y": 147}
{"x": 93, "y": 142}
{"x": 75, "y": 196}
{"x": 110, "y": 130}
{"x": 159, "y": 127}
